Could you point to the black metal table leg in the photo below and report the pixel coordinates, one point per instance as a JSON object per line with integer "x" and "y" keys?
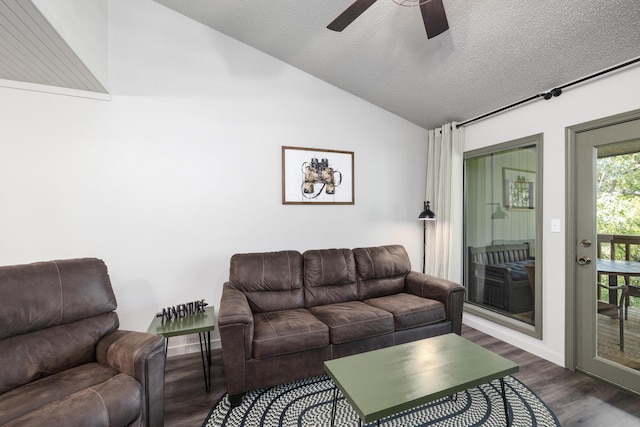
{"x": 504, "y": 400}
{"x": 205, "y": 352}
{"x": 334, "y": 406}
{"x": 209, "y": 352}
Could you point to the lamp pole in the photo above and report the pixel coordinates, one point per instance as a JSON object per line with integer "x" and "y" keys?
{"x": 424, "y": 245}
{"x": 426, "y": 215}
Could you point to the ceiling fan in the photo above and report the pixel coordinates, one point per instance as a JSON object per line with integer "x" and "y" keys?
{"x": 433, "y": 15}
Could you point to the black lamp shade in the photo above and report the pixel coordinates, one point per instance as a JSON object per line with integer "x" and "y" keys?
{"x": 427, "y": 214}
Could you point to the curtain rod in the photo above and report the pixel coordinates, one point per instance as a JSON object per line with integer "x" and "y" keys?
{"x": 552, "y": 93}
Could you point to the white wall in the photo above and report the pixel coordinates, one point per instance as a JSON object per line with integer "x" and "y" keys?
{"x": 606, "y": 96}
{"x": 182, "y": 167}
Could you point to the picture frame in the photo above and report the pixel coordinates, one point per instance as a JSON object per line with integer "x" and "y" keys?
{"x": 315, "y": 176}
{"x": 518, "y": 188}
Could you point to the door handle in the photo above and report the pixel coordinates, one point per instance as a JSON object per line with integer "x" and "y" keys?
{"x": 584, "y": 260}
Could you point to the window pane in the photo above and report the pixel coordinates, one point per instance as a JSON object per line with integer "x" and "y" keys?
{"x": 500, "y": 231}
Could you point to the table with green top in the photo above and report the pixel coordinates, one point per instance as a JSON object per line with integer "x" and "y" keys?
{"x": 384, "y": 382}
{"x": 200, "y": 324}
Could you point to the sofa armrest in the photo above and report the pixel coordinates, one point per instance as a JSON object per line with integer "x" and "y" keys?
{"x": 449, "y": 293}
{"x": 141, "y": 356}
{"x": 234, "y": 307}
{"x": 235, "y": 324}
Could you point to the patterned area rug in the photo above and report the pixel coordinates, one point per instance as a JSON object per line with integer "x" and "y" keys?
{"x": 308, "y": 403}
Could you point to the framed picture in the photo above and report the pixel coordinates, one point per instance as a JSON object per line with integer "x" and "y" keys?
{"x": 518, "y": 188}
{"x": 316, "y": 176}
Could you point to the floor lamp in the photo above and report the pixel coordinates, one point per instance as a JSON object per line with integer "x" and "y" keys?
{"x": 426, "y": 215}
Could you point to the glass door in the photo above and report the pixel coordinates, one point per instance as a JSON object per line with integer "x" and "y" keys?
{"x": 607, "y": 268}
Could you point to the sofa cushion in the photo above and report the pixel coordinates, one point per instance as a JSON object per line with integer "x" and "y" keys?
{"x": 271, "y": 281}
{"x": 354, "y": 320}
{"x": 31, "y": 356}
{"x": 381, "y": 270}
{"x": 287, "y": 331}
{"x": 329, "y": 276}
{"x": 45, "y": 294}
{"x": 93, "y": 392}
{"x": 410, "y": 311}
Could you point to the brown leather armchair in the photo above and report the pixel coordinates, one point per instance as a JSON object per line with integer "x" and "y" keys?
{"x": 63, "y": 360}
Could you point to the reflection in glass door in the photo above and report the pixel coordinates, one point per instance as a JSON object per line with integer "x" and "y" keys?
{"x": 607, "y": 164}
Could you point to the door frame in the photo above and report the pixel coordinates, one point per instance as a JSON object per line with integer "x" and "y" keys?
{"x": 570, "y": 353}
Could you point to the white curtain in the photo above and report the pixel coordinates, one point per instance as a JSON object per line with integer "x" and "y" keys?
{"x": 443, "y": 249}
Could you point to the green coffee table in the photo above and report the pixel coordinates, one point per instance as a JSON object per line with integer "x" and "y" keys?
{"x": 194, "y": 324}
{"x": 384, "y": 382}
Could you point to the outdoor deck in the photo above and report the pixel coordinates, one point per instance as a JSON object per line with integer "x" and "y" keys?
{"x": 608, "y": 339}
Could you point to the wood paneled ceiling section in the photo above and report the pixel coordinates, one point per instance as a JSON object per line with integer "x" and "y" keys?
{"x": 32, "y": 51}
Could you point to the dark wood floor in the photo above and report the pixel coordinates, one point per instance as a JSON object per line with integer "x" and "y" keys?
{"x": 576, "y": 399}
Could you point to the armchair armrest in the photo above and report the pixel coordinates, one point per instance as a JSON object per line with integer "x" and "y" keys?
{"x": 449, "y": 293}
{"x": 234, "y": 307}
{"x": 141, "y": 356}
{"x": 235, "y": 324}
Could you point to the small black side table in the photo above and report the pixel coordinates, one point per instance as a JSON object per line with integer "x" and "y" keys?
{"x": 198, "y": 323}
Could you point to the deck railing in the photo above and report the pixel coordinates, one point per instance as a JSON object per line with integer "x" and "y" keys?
{"x": 627, "y": 246}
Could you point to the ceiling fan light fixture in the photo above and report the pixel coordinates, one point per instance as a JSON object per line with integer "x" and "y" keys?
{"x": 410, "y": 3}
{"x": 433, "y": 15}
{"x": 432, "y": 11}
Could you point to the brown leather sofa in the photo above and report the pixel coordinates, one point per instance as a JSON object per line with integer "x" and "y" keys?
{"x": 282, "y": 314}
{"x": 63, "y": 361}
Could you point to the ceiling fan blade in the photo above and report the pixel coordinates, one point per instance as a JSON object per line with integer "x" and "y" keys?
{"x": 434, "y": 17}
{"x": 350, "y": 14}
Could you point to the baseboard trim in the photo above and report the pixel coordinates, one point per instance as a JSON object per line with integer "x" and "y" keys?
{"x": 524, "y": 342}
{"x": 181, "y": 348}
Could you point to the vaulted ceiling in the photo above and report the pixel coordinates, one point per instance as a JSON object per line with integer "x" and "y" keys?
{"x": 496, "y": 52}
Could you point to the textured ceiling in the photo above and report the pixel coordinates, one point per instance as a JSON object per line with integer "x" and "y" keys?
{"x": 495, "y": 53}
